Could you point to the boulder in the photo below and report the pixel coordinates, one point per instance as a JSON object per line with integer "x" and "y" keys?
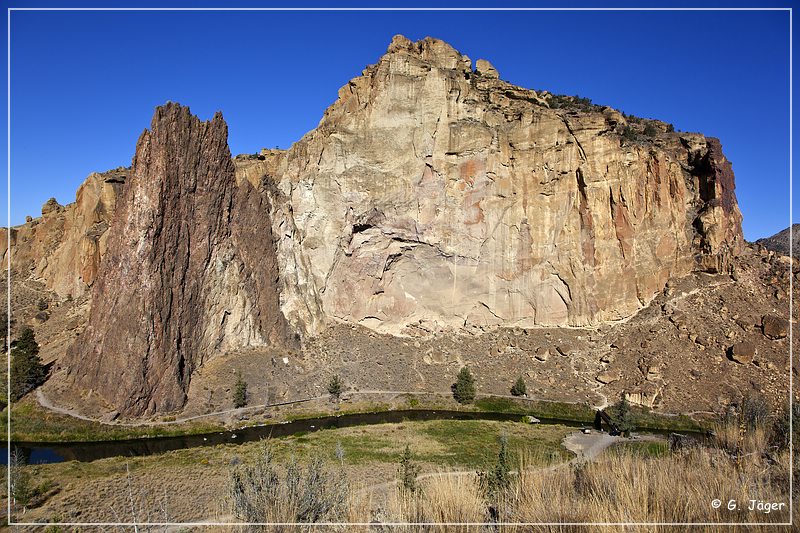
{"x": 51, "y": 206}
{"x": 607, "y": 377}
{"x": 486, "y": 69}
{"x": 742, "y": 352}
{"x": 774, "y": 327}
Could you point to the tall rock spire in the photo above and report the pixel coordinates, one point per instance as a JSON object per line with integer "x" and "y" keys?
{"x": 177, "y": 282}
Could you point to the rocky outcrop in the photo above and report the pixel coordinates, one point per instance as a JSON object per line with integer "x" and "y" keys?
{"x": 189, "y": 270}
{"x": 780, "y": 241}
{"x": 432, "y": 196}
{"x": 64, "y": 246}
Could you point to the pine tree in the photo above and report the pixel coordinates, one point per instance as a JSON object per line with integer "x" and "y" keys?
{"x": 335, "y": 386}
{"x": 519, "y": 388}
{"x": 464, "y": 387}
{"x": 240, "y": 392}
{"x": 27, "y": 370}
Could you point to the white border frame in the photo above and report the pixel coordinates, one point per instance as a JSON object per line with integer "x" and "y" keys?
{"x": 356, "y": 524}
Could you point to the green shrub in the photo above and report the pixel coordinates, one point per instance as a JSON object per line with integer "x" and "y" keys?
{"x": 650, "y": 130}
{"x": 629, "y": 134}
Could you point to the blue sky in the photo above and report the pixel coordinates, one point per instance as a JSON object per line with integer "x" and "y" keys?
{"x": 84, "y": 83}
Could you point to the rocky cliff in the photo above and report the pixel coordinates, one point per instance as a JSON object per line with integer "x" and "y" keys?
{"x": 189, "y": 270}
{"x": 432, "y": 196}
{"x": 63, "y": 247}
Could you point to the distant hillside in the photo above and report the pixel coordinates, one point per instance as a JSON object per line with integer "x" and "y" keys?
{"x": 780, "y": 241}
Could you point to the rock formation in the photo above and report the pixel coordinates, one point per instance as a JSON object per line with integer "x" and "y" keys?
{"x": 189, "y": 270}
{"x": 63, "y": 248}
{"x": 780, "y": 241}
{"x": 431, "y": 197}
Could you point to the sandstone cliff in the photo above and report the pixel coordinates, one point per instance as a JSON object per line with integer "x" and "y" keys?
{"x": 433, "y": 196}
{"x": 189, "y": 270}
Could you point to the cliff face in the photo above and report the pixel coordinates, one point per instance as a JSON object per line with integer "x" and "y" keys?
{"x": 188, "y": 271}
{"x": 63, "y": 248}
{"x": 431, "y": 196}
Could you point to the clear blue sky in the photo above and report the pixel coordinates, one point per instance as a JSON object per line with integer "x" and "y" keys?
{"x": 84, "y": 83}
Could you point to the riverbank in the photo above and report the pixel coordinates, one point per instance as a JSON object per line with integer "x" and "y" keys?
{"x": 31, "y": 422}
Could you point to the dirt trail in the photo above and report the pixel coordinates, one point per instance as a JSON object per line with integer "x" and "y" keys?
{"x": 45, "y": 402}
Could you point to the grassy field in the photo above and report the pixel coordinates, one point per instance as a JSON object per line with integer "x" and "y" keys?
{"x": 198, "y": 477}
{"x": 643, "y": 448}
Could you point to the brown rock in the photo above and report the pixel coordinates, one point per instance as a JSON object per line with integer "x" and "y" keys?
{"x": 189, "y": 270}
{"x": 774, "y": 327}
{"x": 742, "y": 352}
{"x": 607, "y": 377}
{"x": 484, "y": 68}
{"x": 51, "y": 206}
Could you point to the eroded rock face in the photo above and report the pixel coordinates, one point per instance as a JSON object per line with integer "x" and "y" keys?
{"x": 189, "y": 270}
{"x": 64, "y": 246}
{"x": 431, "y": 196}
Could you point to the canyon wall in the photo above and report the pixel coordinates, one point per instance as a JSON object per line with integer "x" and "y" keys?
{"x": 432, "y": 196}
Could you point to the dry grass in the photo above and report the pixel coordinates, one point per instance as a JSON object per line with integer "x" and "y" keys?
{"x": 624, "y": 488}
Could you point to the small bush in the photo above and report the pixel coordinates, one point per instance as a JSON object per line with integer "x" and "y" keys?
{"x": 263, "y": 492}
{"x": 629, "y": 134}
{"x": 650, "y": 130}
{"x": 519, "y": 388}
{"x": 464, "y": 387}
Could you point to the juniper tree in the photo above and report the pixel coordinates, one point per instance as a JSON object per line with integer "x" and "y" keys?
{"x": 519, "y": 388}
{"x": 240, "y": 392}
{"x": 464, "y": 387}
{"x": 408, "y": 472}
{"x": 335, "y": 386}
{"x": 27, "y": 370}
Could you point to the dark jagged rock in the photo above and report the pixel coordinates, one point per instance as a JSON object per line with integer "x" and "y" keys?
{"x": 188, "y": 271}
